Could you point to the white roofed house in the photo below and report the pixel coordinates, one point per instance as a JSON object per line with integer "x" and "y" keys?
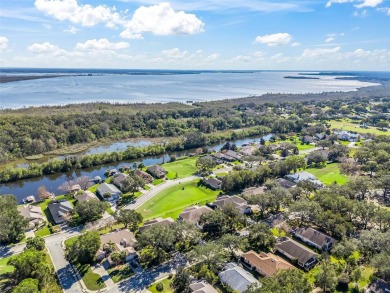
{"x": 108, "y": 192}
{"x": 33, "y": 214}
{"x": 236, "y": 278}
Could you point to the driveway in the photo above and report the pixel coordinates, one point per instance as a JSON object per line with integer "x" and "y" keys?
{"x": 155, "y": 190}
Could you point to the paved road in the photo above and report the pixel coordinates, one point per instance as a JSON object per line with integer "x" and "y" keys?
{"x": 155, "y": 190}
{"x": 68, "y": 280}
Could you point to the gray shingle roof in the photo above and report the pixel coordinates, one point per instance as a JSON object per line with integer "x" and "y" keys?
{"x": 59, "y": 209}
{"x": 236, "y": 278}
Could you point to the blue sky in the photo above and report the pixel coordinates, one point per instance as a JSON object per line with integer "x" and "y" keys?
{"x": 193, "y": 34}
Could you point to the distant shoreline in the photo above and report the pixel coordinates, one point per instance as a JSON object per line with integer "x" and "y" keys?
{"x": 13, "y": 78}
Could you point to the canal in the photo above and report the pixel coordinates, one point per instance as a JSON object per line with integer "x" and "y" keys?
{"x": 24, "y": 188}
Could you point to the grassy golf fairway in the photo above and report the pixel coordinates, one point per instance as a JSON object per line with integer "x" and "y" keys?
{"x": 349, "y": 126}
{"x": 173, "y": 200}
{"x": 329, "y": 174}
{"x": 183, "y": 168}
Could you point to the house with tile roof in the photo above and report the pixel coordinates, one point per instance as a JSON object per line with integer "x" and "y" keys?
{"x": 266, "y": 264}
{"x": 193, "y": 214}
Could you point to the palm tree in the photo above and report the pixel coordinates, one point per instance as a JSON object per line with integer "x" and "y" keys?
{"x": 109, "y": 247}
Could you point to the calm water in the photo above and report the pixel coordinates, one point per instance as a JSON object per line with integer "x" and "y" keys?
{"x": 23, "y": 188}
{"x": 169, "y": 87}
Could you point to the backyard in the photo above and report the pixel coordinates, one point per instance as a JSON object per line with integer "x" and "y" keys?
{"x": 329, "y": 174}
{"x": 173, "y": 200}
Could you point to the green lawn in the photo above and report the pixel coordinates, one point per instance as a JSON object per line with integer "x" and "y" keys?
{"x": 167, "y": 286}
{"x": 4, "y": 268}
{"x": 173, "y": 200}
{"x": 92, "y": 280}
{"x": 329, "y": 174}
{"x": 43, "y": 232}
{"x": 157, "y": 181}
{"x": 349, "y": 126}
{"x": 129, "y": 197}
{"x": 120, "y": 273}
{"x": 183, "y": 167}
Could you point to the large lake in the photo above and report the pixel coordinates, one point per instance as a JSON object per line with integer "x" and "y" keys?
{"x": 136, "y": 88}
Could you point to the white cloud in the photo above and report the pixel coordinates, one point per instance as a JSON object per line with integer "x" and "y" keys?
{"x": 86, "y": 15}
{"x": 161, "y": 20}
{"x": 102, "y": 44}
{"x": 280, "y": 58}
{"x": 385, "y": 10}
{"x": 319, "y": 53}
{"x": 42, "y": 48}
{"x": 295, "y": 44}
{"x": 240, "y": 58}
{"x": 369, "y": 3}
{"x": 3, "y": 43}
{"x": 234, "y": 5}
{"x": 330, "y": 2}
{"x": 212, "y": 57}
{"x": 174, "y": 53}
{"x": 73, "y": 30}
{"x": 363, "y": 3}
{"x": 329, "y": 40}
{"x": 259, "y": 54}
{"x": 274, "y": 39}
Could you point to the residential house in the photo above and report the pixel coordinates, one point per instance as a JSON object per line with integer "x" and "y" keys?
{"x": 266, "y": 264}
{"x": 250, "y": 191}
{"x": 320, "y": 136}
{"x": 202, "y": 287}
{"x": 314, "y": 238}
{"x": 108, "y": 192}
{"x": 294, "y": 251}
{"x": 86, "y": 196}
{"x": 347, "y": 136}
{"x": 236, "y": 156}
{"x": 286, "y": 183}
{"x": 236, "y": 278}
{"x": 157, "y": 171}
{"x": 145, "y": 176}
{"x": 379, "y": 286}
{"x": 238, "y": 202}
{"x": 33, "y": 214}
{"x": 123, "y": 240}
{"x": 60, "y": 211}
{"x": 308, "y": 139}
{"x": 247, "y": 150}
{"x": 212, "y": 183}
{"x": 223, "y": 157}
{"x": 193, "y": 214}
{"x": 75, "y": 188}
{"x": 216, "y": 160}
{"x": 156, "y": 222}
{"x": 304, "y": 176}
{"x": 118, "y": 179}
